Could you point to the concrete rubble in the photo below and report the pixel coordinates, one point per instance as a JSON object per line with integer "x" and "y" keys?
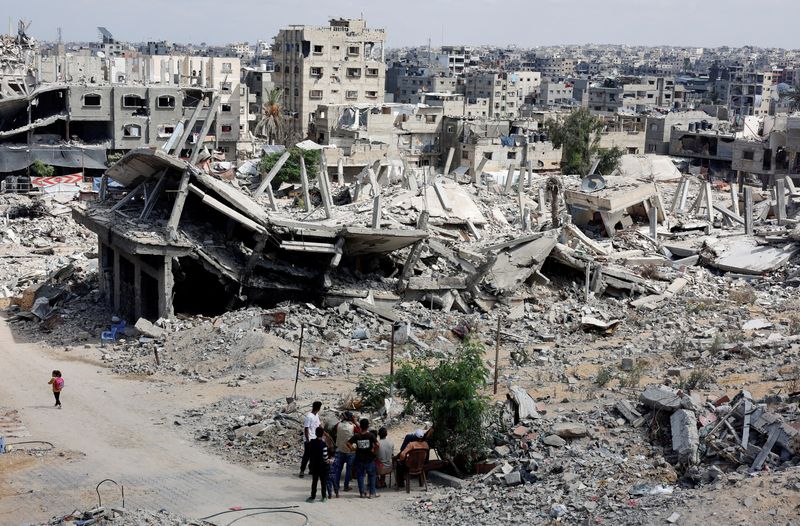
{"x": 626, "y": 332}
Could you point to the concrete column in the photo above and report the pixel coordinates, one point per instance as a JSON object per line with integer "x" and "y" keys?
{"x": 376, "y": 212}
{"x": 304, "y": 183}
{"x": 748, "y": 210}
{"x": 165, "y": 284}
{"x": 116, "y": 302}
{"x": 101, "y": 270}
{"x": 137, "y": 291}
{"x": 735, "y": 198}
{"x": 780, "y": 202}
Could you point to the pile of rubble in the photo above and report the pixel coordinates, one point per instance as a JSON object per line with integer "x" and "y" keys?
{"x": 249, "y": 431}
{"x": 121, "y": 517}
{"x": 616, "y": 463}
{"x": 727, "y": 433}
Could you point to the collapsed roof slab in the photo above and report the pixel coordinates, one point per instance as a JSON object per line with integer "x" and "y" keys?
{"x": 745, "y": 255}
{"x": 143, "y": 163}
{"x": 361, "y": 241}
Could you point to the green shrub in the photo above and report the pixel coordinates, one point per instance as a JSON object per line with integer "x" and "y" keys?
{"x": 449, "y": 392}
{"x": 290, "y": 171}
{"x": 39, "y": 169}
{"x": 604, "y": 375}
{"x": 373, "y": 391}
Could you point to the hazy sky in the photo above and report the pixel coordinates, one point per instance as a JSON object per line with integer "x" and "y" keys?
{"x": 526, "y": 23}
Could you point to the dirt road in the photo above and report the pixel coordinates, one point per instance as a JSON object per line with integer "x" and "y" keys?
{"x": 123, "y": 429}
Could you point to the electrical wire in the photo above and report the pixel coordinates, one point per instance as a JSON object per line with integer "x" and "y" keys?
{"x": 273, "y": 508}
{"x": 273, "y": 511}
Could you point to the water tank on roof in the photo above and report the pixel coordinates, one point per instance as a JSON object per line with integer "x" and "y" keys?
{"x": 691, "y": 126}
{"x": 705, "y": 124}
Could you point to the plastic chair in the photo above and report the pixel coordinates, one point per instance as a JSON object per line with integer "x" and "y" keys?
{"x": 415, "y": 466}
{"x": 110, "y": 336}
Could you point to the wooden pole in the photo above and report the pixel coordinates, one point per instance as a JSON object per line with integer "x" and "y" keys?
{"x": 297, "y": 374}
{"x": 496, "y": 355}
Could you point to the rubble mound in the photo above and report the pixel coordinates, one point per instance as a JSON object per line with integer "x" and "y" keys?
{"x": 246, "y": 430}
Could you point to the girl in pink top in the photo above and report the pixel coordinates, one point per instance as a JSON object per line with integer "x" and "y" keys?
{"x": 58, "y": 384}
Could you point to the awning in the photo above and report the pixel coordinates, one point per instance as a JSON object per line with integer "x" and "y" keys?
{"x": 16, "y": 158}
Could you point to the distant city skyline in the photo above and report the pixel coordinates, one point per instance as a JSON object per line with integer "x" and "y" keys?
{"x": 523, "y": 23}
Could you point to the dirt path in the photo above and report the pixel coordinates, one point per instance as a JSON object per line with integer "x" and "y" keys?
{"x": 123, "y": 429}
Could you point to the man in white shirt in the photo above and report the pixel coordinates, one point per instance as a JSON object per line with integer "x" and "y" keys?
{"x": 310, "y": 425}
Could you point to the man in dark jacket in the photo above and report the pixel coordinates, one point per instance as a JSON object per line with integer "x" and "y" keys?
{"x": 318, "y": 464}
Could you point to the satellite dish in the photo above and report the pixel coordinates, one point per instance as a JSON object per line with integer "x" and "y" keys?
{"x": 593, "y": 183}
{"x": 100, "y": 54}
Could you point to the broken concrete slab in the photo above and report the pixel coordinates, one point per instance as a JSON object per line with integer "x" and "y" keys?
{"x": 148, "y": 329}
{"x": 660, "y": 397}
{"x": 746, "y": 255}
{"x": 514, "y": 266}
{"x": 685, "y": 439}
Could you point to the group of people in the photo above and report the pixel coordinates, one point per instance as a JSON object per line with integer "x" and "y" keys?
{"x": 352, "y": 447}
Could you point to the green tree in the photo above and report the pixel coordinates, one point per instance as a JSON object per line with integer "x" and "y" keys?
{"x": 450, "y": 393}
{"x": 290, "y": 172}
{"x": 579, "y": 137}
{"x": 609, "y": 159}
{"x": 39, "y": 169}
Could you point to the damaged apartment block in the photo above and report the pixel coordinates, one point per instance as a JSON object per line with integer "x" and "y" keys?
{"x": 182, "y": 240}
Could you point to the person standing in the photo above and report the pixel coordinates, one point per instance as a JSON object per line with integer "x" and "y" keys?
{"x": 344, "y": 456}
{"x": 318, "y": 464}
{"x": 58, "y": 384}
{"x": 365, "y": 446}
{"x": 310, "y": 425}
{"x": 385, "y": 454}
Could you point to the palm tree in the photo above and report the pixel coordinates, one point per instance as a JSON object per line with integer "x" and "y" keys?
{"x": 271, "y": 124}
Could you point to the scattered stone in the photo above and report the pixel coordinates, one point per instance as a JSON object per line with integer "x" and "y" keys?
{"x": 570, "y": 430}
{"x": 554, "y": 441}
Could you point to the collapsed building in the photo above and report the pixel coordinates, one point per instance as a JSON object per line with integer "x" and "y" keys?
{"x": 183, "y": 237}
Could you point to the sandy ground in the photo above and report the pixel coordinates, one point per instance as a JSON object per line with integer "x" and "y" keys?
{"x": 123, "y": 429}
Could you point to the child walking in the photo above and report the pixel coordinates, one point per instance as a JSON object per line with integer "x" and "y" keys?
{"x": 58, "y": 384}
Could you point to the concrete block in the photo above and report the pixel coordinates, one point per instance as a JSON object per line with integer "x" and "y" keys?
{"x": 513, "y": 479}
{"x": 554, "y": 441}
{"x": 570, "y": 430}
{"x": 660, "y": 397}
{"x": 685, "y": 439}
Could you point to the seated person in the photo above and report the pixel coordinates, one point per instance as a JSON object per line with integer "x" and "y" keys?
{"x": 420, "y": 442}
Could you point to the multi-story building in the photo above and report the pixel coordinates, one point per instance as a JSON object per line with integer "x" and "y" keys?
{"x": 659, "y": 128}
{"x": 772, "y": 151}
{"x": 746, "y": 92}
{"x": 412, "y": 83}
{"x": 455, "y": 58}
{"x": 506, "y": 92}
{"x": 554, "y": 67}
{"x": 554, "y": 93}
{"x": 338, "y": 64}
{"x": 645, "y": 94}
